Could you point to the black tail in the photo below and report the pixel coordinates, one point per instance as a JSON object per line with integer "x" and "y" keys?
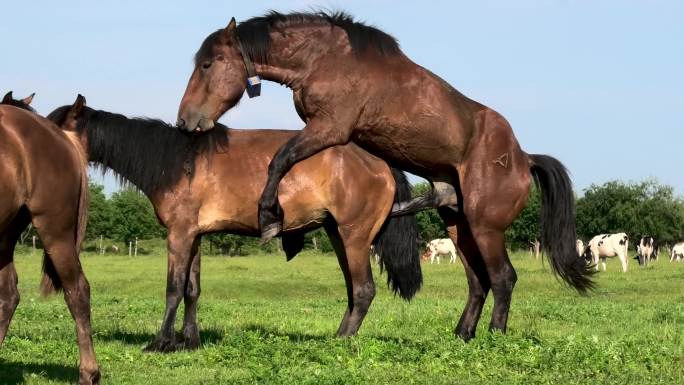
{"x": 397, "y": 246}
{"x": 557, "y": 222}
{"x": 50, "y": 284}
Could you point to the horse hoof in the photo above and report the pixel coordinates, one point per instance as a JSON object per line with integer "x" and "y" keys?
{"x": 189, "y": 343}
{"x": 464, "y": 335}
{"x": 89, "y": 377}
{"x": 269, "y": 232}
{"x": 161, "y": 345}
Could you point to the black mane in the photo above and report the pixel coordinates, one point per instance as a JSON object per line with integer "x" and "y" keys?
{"x": 255, "y": 39}
{"x": 148, "y": 153}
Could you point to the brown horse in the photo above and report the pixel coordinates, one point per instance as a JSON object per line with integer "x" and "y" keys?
{"x": 351, "y": 82}
{"x": 43, "y": 180}
{"x": 215, "y": 187}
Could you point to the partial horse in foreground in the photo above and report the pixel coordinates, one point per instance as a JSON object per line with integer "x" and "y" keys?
{"x": 43, "y": 180}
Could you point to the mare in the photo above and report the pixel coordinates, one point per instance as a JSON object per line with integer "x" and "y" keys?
{"x": 215, "y": 188}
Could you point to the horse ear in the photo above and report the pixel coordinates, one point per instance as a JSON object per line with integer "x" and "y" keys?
{"x": 8, "y": 98}
{"x": 28, "y": 99}
{"x": 78, "y": 106}
{"x": 230, "y": 29}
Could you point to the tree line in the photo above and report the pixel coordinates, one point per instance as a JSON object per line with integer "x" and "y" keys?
{"x": 643, "y": 208}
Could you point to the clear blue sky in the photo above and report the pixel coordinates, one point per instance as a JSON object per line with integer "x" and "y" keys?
{"x": 597, "y": 84}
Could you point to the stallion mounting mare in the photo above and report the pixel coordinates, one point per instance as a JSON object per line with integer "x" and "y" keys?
{"x": 215, "y": 185}
{"x": 351, "y": 82}
{"x": 50, "y": 190}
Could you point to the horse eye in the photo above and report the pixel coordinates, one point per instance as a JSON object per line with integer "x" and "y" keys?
{"x": 206, "y": 65}
{"x": 219, "y": 58}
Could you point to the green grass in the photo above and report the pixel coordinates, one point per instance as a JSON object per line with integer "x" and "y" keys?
{"x": 265, "y": 321}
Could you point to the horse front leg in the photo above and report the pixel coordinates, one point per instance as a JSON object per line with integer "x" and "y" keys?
{"x": 318, "y": 135}
{"x": 179, "y": 260}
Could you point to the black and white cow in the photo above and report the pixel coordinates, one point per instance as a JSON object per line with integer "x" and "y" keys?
{"x": 677, "y": 252}
{"x": 647, "y": 250}
{"x": 607, "y": 246}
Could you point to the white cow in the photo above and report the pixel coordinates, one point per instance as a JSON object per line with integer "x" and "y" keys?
{"x": 437, "y": 247}
{"x": 607, "y": 246}
{"x": 580, "y": 247}
{"x": 647, "y": 250}
{"x": 677, "y": 252}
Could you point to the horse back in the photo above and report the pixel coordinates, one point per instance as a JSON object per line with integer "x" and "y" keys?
{"x": 227, "y": 184}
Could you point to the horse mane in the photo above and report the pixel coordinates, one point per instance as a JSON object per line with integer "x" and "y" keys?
{"x": 149, "y": 153}
{"x": 254, "y": 34}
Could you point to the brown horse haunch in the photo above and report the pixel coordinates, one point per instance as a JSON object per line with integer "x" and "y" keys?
{"x": 351, "y": 82}
{"x": 221, "y": 195}
{"x": 49, "y": 189}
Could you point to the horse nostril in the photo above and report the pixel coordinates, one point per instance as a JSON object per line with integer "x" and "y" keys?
{"x": 180, "y": 123}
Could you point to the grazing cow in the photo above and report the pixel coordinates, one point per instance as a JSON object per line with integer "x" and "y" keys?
{"x": 677, "y": 252}
{"x": 580, "y": 247}
{"x": 437, "y": 247}
{"x": 647, "y": 250}
{"x": 607, "y": 246}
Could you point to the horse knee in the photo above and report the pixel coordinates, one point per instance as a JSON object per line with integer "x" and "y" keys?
{"x": 506, "y": 281}
{"x": 192, "y": 290}
{"x": 364, "y": 294}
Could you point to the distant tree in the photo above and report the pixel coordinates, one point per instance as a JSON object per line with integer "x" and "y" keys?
{"x": 646, "y": 208}
{"x": 133, "y": 216}
{"x": 99, "y": 213}
{"x": 430, "y": 224}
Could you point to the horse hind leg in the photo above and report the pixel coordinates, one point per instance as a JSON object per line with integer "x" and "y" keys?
{"x": 60, "y": 248}
{"x": 352, "y": 254}
{"x": 9, "y": 294}
{"x": 476, "y": 272}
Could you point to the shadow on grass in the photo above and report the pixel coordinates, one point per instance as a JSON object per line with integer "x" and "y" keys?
{"x": 14, "y": 373}
{"x": 264, "y": 331}
{"x": 208, "y": 336}
{"x": 303, "y": 337}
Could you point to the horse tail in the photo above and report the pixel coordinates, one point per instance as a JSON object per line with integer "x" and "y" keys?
{"x": 557, "y": 222}
{"x": 50, "y": 283}
{"x": 397, "y": 246}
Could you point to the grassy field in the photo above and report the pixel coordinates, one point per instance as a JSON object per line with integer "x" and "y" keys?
{"x": 265, "y": 321}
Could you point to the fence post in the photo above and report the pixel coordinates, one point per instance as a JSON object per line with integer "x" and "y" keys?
{"x": 130, "y": 248}
{"x": 136, "y": 246}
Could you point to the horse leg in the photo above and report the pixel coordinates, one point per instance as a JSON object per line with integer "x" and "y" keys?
{"x": 355, "y": 264}
{"x": 338, "y": 246}
{"x": 64, "y": 257}
{"x": 9, "y": 294}
{"x": 603, "y": 263}
{"x": 318, "y": 135}
{"x": 476, "y": 273}
{"x": 191, "y": 336}
{"x": 178, "y": 272}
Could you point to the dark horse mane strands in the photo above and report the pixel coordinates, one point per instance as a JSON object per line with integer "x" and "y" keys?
{"x": 149, "y": 153}
{"x": 255, "y": 39}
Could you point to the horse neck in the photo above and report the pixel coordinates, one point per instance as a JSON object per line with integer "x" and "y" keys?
{"x": 106, "y": 149}
{"x": 293, "y": 51}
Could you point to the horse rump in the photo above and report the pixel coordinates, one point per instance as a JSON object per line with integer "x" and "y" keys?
{"x": 397, "y": 246}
